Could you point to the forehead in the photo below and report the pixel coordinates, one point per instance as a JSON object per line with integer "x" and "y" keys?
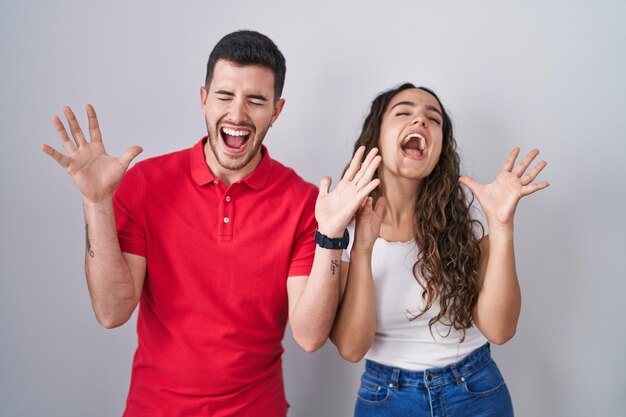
{"x": 250, "y": 78}
{"x": 416, "y": 97}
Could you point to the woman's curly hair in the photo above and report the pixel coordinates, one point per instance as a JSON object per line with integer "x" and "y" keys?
{"x": 449, "y": 250}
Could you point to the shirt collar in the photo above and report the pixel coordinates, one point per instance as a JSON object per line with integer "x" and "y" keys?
{"x": 202, "y": 174}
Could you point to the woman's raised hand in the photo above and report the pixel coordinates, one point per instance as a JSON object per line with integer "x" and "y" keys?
{"x": 499, "y": 198}
{"x": 369, "y": 218}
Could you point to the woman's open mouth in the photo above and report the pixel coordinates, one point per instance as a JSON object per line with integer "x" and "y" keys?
{"x": 414, "y": 145}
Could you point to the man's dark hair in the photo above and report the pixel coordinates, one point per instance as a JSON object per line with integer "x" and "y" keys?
{"x": 247, "y": 47}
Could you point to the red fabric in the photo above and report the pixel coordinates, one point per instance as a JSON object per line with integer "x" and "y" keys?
{"x": 213, "y": 309}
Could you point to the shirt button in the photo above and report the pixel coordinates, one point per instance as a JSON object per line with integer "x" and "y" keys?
{"x": 227, "y": 198}
{"x": 226, "y": 219}
{"x": 215, "y": 182}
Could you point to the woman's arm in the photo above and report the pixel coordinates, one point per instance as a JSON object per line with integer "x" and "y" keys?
{"x": 355, "y": 324}
{"x": 499, "y": 300}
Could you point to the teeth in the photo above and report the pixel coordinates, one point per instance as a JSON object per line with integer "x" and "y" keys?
{"x": 414, "y": 136}
{"x": 233, "y": 132}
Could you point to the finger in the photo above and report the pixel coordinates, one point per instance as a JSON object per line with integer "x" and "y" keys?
{"x": 530, "y": 177}
{"x": 130, "y": 154}
{"x": 510, "y": 160}
{"x": 63, "y": 160}
{"x": 94, "y": 126}
{"x": 67, "y": 144}
{"x": 77, "y": 133}
{"x": 369, "y": 172}
{"x": 365, "y": 165}
{"x": 364, "y": 192}
{"x": 529, "y": 189}
{"x": 367, "y": 202}
{"x": 354, "y": 164}
{"x": 470, "y": 183}
{"x": 325, "y": 185}
{"x": 523, "y": 165}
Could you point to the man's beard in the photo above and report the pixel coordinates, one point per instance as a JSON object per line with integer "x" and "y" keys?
{"x": 236, "y": 164}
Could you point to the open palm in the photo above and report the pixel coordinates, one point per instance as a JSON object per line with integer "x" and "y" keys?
{"x": 95, "y": 173}
{"x": 334, "y": 210}
{"x": 499, "y": 198}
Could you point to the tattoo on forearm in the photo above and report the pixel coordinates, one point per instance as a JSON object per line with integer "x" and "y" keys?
{"x": 88, "y": 243}
{"x": 334, "y": 266}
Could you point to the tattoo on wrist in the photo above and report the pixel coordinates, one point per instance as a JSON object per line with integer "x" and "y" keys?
{"x": 87, "y": 242}
{"x": 334, "y": 265}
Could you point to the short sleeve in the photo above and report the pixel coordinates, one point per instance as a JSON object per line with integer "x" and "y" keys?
{"x": 128, "y": 205}
{"x": 303, "y": 251}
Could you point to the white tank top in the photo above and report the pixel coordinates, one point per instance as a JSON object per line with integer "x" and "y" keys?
{"x": 404, "y": 343}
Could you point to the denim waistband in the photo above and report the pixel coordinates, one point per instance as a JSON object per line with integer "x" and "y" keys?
{"x": 453, "y": 373}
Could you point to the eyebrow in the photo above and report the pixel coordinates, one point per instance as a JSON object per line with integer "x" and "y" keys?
{"x": 411, "y": 104}
{"x": 252, "y": 96}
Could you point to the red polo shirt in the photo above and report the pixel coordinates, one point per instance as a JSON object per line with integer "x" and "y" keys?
{"x": 213, "y": 309}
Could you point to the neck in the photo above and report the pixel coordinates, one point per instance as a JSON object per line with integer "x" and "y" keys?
{"x": 230, "y": 176}
{"x": 401, "y": 194}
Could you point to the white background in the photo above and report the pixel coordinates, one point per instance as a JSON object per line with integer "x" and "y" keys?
{"x": 530, "y": 74}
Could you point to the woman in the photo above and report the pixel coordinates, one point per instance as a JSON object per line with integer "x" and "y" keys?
{"x": 425, "y": 288}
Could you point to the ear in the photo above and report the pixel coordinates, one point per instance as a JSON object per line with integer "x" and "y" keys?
{"x": 278, "y": 107}
{"x": 203, "y": 96}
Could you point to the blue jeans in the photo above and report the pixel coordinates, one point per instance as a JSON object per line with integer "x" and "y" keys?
{"x": 471, "y": 387}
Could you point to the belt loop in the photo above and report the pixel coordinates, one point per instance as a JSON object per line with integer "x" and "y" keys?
{"x": 457, "y": 375}
{"x": 394, "y": 383}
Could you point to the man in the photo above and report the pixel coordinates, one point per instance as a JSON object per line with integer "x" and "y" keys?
{"x": 204, "y": 239}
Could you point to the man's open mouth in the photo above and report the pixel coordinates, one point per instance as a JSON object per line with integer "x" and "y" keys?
{"x": 234, "y": 139}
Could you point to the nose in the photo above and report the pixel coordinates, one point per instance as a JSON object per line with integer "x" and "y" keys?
{"x": 237, "y": 111}
{"x": 420, "y": 121}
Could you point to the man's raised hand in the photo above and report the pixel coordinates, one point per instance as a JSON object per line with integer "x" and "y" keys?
{"x": 95, "y": 173}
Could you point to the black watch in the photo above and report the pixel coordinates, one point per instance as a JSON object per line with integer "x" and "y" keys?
{"x": 332, "y": 243}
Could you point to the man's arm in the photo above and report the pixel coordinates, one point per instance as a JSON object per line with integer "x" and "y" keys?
{"x": 114, "y": 279}
{"x": 313, "y": 300}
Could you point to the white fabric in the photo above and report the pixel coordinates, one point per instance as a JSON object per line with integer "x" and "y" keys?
{"x": 400, "y": 342}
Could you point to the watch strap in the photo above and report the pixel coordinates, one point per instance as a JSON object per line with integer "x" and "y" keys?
{"x": 332, "y": 243}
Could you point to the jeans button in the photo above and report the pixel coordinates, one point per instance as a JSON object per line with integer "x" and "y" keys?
{"x": 429, "y": 378}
